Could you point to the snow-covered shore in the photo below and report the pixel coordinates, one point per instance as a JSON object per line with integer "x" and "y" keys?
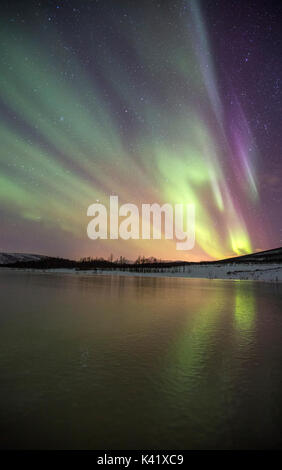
{"x": 252, "y": 271}
{"x": 249, "y": 271}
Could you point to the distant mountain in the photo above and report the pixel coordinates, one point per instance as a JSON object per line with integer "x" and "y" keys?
{"x": 267, "y": 256}
{"x": 9, "y": 258}
{"x": 34, "y": 261}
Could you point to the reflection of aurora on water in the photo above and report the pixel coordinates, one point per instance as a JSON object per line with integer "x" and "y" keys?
{"x": 245, "y": 307}
{"x": 199, "y": 364}
{"x": 77, "y": 130}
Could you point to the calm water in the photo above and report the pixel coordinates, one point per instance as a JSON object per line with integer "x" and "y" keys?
{"x": 112, "y": 362}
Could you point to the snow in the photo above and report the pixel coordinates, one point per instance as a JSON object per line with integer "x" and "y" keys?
{"x": 250, "y": 271}
{"x": 270, "y": 272}
{"x": 6, "y": 258}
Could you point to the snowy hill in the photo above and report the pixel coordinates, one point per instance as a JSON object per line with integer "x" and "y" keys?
{"x": 267, "y": 256}
{"x": 6, "y": 258}
{"x": 262, "y": 266}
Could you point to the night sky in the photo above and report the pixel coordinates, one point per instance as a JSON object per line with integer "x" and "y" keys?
{"x": 152, "y": 101}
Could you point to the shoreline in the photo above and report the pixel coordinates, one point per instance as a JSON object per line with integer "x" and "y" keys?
{"x": 233, "y": 271}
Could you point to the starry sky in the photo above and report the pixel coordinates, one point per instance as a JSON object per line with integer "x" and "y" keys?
{"x": 152, "y": 101}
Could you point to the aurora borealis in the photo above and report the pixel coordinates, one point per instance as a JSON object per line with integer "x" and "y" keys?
{"x": 152, "y": 101}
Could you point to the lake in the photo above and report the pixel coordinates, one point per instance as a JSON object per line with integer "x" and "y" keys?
{"x": 113, "y": 362}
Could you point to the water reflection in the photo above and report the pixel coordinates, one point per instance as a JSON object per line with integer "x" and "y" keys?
{"x": 130, "y": 362}
{"x": 245, "y": 306}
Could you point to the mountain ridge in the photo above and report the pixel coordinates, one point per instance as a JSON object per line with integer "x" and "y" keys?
{"x": 265, "y": 256}
{"x": 9, "y": 258}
